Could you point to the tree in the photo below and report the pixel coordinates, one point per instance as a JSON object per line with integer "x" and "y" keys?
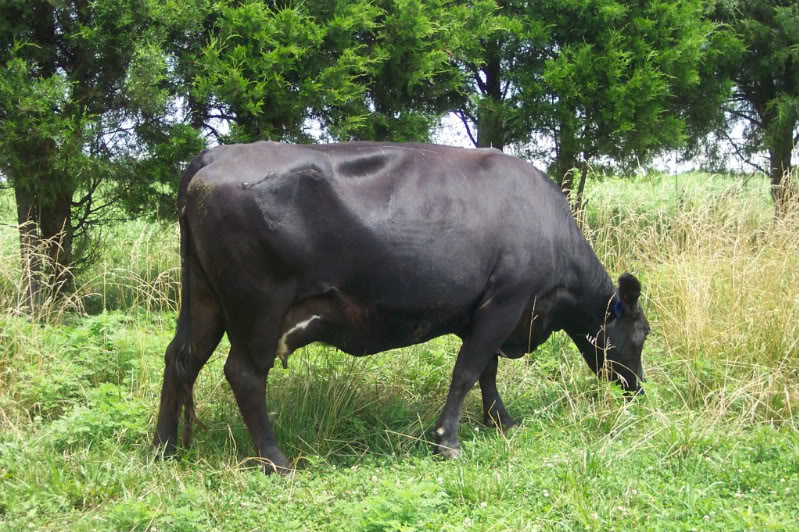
{"x": 765, "y": 71}
{"x": 414, "y": 82}
{"x": 602, "y": 78}
{"x": 352, "y": 69}
{"x": 83, "y": 86}
{"x": 266, "y": 69}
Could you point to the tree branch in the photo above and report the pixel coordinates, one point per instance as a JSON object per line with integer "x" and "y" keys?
{"x": 462, "y": 115}
{"x": 740, "y": 155}
{"x": 476, "y": 72}
{"x": 505, "y": 90}
{"x": 213, "y": 132}
{"x": 467, "y": 114}
{"x": 88, "y": 196}
{"x": 221, "y": 116}
{"x": 745, "y": 116}
{"x": 86, "y": 220}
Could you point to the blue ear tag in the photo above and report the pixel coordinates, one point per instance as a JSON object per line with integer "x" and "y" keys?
{"x": 618, "y": 309}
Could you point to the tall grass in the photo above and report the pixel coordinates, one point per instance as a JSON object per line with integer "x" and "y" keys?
{"x": 53, "y": 351}
{"x": 721, "y": 278}
{"x": 138, "y": 270}
{"x": 18, "y": 272}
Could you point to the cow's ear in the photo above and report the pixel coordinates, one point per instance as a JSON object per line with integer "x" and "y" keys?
{"x": 629, "y": 288}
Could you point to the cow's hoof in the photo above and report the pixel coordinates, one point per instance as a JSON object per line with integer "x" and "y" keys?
{"x": 448, "y": 451}
{"x": 276, "y": 462}
{"x": 269, "y": 467}
{"x": 504, "y": 423}
{"x": 285, "y": 472}
{"x": 165, "y": 450}
{"x": 509, "y": 430}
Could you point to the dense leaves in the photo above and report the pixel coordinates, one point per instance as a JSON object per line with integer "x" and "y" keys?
{"x": 580, "y": 80}
{"x": 352, "y": 69}
{"x": 269, "y": 69}
{"x": 763, "y": 61}
{"x": 86, "y": 107}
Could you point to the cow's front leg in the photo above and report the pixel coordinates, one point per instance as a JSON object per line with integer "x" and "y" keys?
{"x": 492, "y": 325}
{"x": 248, "y": 381}
{"x": 468, "y": 368}
{"x": 494, "y": 413}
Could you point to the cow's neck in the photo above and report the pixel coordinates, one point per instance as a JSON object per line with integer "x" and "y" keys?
{"x": 592, "y": 292}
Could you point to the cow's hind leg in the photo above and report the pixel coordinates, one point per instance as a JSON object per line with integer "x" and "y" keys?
{"x": 247, "y": 378}
{"x": 252, "y": 354}
{"x": 183, "y": 364}
{"x": 493, "y": 410}
{"x": 491, "y": 326}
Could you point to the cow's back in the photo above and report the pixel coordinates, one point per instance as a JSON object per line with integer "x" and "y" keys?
{"x": 400, "y": 225}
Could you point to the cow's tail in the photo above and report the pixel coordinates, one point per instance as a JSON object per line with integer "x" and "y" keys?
{"x": 176, "y": 393}
{"x": 183, "y": 359}
{"x": 184, "y": 370}
{"x": 181, "y": 368}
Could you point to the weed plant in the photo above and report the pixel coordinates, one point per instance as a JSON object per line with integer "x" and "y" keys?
{"x": 712, "y": 445}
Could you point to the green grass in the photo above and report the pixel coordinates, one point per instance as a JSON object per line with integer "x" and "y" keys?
{"x": 712, "y": 446}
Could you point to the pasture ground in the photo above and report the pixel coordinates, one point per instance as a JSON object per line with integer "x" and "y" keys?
{"x": 712, "y": 446}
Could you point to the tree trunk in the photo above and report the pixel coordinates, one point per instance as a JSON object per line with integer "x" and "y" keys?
{"x": 55, "y": 228}
{"x": 489, "y": 133}
{"x": 581, "y": 186}
{"x": 566, "y": 158}
{"x": 27, "y": 218}
{"x": 45, "y": 237}
{"x": 42, "y": 195}
{"x": 779, "y": 166}
{"x": 489, "y": 112}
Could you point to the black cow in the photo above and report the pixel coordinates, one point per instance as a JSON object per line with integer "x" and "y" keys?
{"x": 372, "y": 246}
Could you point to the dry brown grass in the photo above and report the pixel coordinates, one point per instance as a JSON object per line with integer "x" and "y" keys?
{"x": 721, "y": 277}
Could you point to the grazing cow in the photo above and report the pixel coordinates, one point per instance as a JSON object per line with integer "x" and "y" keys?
{"x": 373, "y": 246}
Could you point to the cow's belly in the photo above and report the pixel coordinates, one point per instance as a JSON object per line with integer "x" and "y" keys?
{"x": 360, "y": 329}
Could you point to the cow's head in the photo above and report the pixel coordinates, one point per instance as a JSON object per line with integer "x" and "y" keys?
{"x": 625, "y": 332}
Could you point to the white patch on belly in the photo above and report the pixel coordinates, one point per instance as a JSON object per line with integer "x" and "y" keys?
{"x": 282, "y": 347}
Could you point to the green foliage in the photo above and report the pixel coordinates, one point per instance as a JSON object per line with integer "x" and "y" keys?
{"x": 400, "y": 508}
{"x": 28, "y": 123}
{"x": 88, "y": 118}
{"x": 606, "y": 78}
{"x": 270, "y": 67}
{"x": 415, "y": 81}
{"x": 90, "y": 354}
{"x": 165, "y": 150}
{"x": 762, "y": 58}
{"x": 362, "y": 70}
{"x": 109, "y": 417}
